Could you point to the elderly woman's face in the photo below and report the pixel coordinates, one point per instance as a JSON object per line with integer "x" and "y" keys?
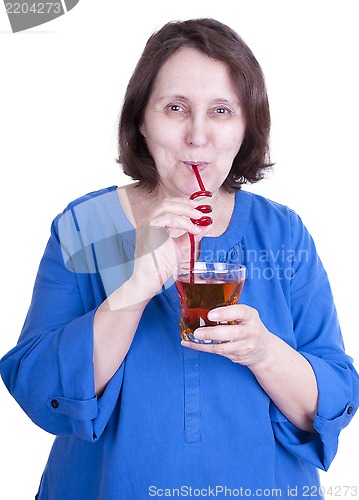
{"x": 193, "y": 117}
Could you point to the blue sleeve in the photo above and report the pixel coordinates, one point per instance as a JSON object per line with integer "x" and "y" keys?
{"x": 50, "y": 371}
{"x": 319, "y": 340}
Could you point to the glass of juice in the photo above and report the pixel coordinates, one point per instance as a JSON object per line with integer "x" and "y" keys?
{"x": 207, "y": 286}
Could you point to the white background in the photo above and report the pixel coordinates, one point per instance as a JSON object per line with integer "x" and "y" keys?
{"x": 62, "y": 85}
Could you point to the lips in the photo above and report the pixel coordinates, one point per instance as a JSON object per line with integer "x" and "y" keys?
{"x": 201, "y": 165}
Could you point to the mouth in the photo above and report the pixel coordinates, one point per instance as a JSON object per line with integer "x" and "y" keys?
{"x": 201, "y": 165}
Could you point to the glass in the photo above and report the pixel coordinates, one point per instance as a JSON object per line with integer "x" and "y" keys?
{"x": 207, "y": 286}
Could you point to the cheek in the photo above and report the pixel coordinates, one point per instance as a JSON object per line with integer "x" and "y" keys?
{"x": 230, "y": 145}
{"x": 231, "y": 138}
{"x": 162, "y": 141}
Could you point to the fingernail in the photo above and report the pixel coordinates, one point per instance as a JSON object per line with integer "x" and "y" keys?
{"x": 213, "y": 315}
{"x": 199, "y": 334}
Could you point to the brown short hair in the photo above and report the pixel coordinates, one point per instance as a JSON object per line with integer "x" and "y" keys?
{"x": 220, "y": 43}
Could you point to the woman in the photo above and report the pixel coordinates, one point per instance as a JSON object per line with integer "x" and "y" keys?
{"x": 99, "y": 362}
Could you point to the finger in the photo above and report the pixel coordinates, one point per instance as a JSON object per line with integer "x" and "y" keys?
{"x": 175, "y": 221}
{"x": 231, "y": 350}
{"x": 235, "y": 312}
{"x": 224, "y": 349}
{"x": 178, "y": 206}
{"x": 220, "y": 333}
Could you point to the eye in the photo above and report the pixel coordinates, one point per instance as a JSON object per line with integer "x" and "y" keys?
{"x": 221, "y": 111}
{"x": 175, "y": 108}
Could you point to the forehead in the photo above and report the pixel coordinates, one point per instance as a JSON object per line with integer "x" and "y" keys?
{"x": 191, "y": 68}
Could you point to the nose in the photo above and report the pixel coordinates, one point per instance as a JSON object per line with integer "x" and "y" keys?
{"x": 198, "y": 130}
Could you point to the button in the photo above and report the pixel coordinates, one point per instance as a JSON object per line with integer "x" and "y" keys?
{"x": 350, "y": 410}
{"x": 55, "y": 404}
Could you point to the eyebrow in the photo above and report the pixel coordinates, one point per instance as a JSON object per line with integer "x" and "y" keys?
{"x": 229, "y": 101}
{"x": 218, "y": 100}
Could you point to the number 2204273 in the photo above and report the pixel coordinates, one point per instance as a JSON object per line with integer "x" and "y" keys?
{"x": 33, "y": 7}
{"x": 330, "y": 491}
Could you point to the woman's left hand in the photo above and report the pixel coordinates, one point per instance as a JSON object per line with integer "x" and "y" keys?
{"x": 244, "y": 342}
{"x": 282, "y": 372}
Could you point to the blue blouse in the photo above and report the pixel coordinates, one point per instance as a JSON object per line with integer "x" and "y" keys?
{"x": 172, "y": 421}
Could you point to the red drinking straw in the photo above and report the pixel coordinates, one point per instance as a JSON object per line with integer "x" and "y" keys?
{"x": 198, "y": 177}
{"x": 203, "y": 221}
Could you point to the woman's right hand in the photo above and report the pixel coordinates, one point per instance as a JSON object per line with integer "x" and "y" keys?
{"x": 162, "y": 242}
